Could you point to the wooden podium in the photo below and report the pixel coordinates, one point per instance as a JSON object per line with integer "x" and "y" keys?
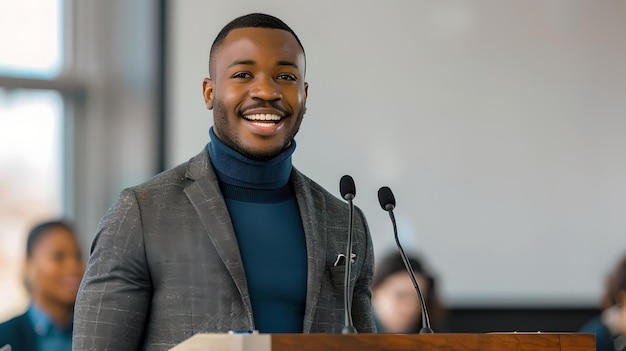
{"x": 388, "y": 342}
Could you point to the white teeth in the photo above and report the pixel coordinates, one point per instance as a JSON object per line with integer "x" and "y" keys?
{"x": 263, "y": 124}
{"x": 263, "y": 117}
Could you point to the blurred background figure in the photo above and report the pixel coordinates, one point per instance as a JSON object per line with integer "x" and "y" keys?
{"x": 610, "y": 326}
{"x": 395, "y": 301}
{"x": 53, "y": 271}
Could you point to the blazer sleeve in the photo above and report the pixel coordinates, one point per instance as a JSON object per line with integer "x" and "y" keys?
{"x": 114, "y": 296}
{"x": 362, "y": 313}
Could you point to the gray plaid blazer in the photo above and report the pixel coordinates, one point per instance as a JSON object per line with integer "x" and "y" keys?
{"x": 165, "y": 265}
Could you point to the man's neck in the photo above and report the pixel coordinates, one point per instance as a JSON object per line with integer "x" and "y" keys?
{"x": 233, "y": 168}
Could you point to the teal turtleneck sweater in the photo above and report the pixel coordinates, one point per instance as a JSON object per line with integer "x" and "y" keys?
{"x": 267, "y": 223}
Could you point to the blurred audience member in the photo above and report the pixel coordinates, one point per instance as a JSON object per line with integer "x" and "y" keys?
{"x": 53, "y": 271}
{"x": 395, "y": 301}
{"x": 610, "y": 326}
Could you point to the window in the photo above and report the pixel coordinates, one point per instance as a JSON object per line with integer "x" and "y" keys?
{"x": 76, "y": 117}
{"x": 30, "y": 33}
{"x": 31, "y": 134}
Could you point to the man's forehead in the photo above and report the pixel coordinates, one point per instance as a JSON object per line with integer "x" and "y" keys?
{"x": 269, "y": 38}
{"x": 255, "y": 44}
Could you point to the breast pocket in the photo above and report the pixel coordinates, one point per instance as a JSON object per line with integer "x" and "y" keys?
{"x": 337, "y": 275}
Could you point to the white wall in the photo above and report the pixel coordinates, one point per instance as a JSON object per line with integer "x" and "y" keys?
{"x": 500, "y": 126}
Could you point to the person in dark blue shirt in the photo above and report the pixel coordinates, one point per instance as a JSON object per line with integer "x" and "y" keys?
{"x": 610, "y": 326}
{"x": 54, "y": 268}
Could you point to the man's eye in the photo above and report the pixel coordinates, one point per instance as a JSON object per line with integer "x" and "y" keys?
{"x": 242, "y": 75}
{"x": 287, "y": 77}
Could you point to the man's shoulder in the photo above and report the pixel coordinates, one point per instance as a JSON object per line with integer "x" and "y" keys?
{"x": 309, "y": 186}
{"x": 177, "y": 176}
{"x": 303, "y": 180}
{"x": 171, "y": 176}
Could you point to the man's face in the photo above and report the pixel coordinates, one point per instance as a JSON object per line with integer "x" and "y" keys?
{"x": 258, "y": 93}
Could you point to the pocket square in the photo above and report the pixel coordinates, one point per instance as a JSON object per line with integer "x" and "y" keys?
{"x": 341, "y": 259}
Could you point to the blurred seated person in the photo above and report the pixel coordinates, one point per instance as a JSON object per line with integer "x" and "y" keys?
{"x": 53, "y": 271}
{"x": 610, "y": 326}
{"x": 395, "y": 301}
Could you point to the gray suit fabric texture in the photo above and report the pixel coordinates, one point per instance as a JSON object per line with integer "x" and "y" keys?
{"x": 165, "y": 265}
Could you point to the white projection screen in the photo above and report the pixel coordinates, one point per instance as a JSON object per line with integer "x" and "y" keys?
{"x": 499, "y": 125}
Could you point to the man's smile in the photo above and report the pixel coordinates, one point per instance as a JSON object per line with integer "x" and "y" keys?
{"x": 263, "y": 119}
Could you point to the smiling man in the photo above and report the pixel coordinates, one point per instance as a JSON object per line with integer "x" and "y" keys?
{"x": 257, "y": 90}
{"x": 236, "y": 238}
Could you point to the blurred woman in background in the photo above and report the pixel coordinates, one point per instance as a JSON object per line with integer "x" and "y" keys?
{"x": 53, "y": 271}
{"x": 395, "y": 301}
{"x": 610, "y": 326}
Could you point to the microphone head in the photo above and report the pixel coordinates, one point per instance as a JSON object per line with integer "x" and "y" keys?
{"x": 386, "y": 199}
{"x": 347, "y": 188}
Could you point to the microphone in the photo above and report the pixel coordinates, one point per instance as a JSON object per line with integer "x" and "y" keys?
{"x": 388, "y": 203}
{"x": 348, "y": 190}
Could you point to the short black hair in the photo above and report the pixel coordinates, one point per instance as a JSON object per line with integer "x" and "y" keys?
{"x": 41, "y": 230}
{"x": 252, "y": 20}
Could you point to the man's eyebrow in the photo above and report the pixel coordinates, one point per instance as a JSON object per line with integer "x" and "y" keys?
{"x": 252, "y": 63}
{"x": 243, "y": 62}
{"x": 287, "y": 63}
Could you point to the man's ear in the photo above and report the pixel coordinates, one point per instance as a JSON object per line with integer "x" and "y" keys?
{"x": 306, "y": 94}
{"x": 207, "y": 92}
{"x": 306, "y": 90}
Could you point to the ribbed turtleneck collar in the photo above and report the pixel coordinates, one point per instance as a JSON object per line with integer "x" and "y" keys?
{"x": 233, "y": 168}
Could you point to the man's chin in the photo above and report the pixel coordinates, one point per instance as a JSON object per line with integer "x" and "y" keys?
{"x": 260, "y": 155}
{"x": 258, "y": 150}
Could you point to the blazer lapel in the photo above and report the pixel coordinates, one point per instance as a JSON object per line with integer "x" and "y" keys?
{"x": 312, "y": 208}
{"x": 207, "y": 199}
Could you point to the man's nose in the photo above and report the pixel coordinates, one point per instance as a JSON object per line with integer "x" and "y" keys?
{"x": 266, "y": 88}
